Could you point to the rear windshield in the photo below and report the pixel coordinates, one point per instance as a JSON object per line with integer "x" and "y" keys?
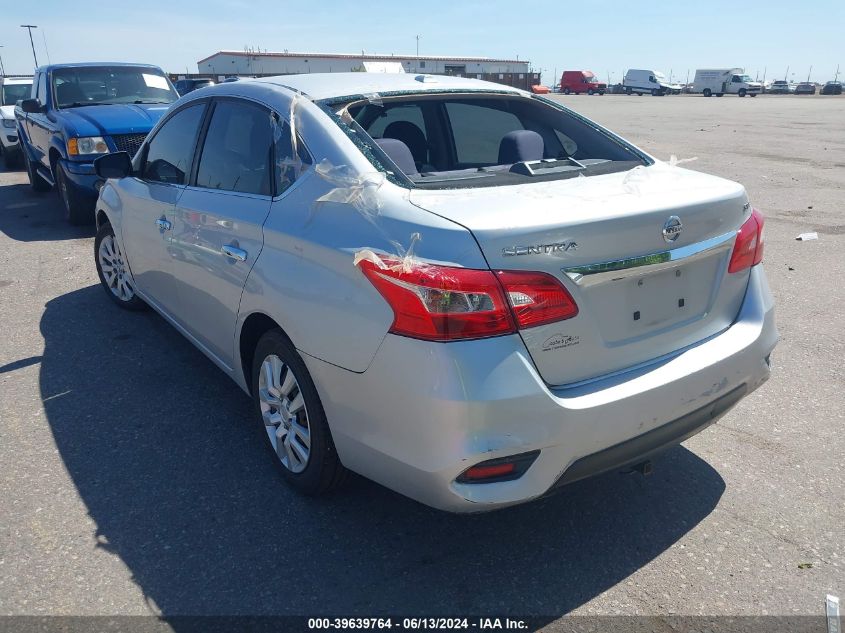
{"x": 98, "y": 85}
{"x": 12, "y": 93}
{"x": 450, "y": 141}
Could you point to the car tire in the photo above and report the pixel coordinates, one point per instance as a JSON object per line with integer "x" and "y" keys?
{"x": 590, "y": 92}
{"x": 655, "y": 92}
{"x": 753, "y": 94}
{"x": 628, "y": 91}
{"x": 35, "y": 180}
{"x": 566, "y": 91}
{"x": 742, "y": 92}
{"x": 720, "y": 94}
{"x": 707, "y": 92}
{"x": 288, "y": 406}
{"x": 11, "y": 160}
{"x": 77, "y": 211}
{"x": 113, "y": 270}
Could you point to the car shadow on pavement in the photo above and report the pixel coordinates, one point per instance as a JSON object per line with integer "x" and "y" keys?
{"x": 29, "y": 216}
{"x": 176, "y": 474}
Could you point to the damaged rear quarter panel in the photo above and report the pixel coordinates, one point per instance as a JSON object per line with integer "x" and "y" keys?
{"x": 305, "y": 277}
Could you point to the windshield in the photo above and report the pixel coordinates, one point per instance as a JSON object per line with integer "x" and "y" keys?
{"x": 745, "y": 79}
{"x": 660, "y": 76}
{"x": 75, "y": 87}
{"x": 486, "y": 140}
{"x": 12, "y": 93}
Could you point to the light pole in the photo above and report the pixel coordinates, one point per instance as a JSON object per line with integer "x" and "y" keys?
{"x": 2, "y": 70}
{"x": 417, "y": 66}
{"x": 29, "y": 27}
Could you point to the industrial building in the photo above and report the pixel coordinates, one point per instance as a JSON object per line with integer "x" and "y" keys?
{"x": 513, "y": 72}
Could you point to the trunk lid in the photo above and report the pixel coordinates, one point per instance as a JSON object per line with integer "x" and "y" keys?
{"x": 640, "y": 296}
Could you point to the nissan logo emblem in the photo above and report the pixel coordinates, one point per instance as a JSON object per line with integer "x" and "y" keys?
{"x": 672, "y": 228}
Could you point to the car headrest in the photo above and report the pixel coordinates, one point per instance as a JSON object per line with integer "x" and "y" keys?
{"x": 399, "y": 153}
{"x": 410, "y": 134}
{"x": 520, "y": 145}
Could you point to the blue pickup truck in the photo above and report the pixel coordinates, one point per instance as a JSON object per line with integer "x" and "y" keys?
{"x": 80, "y": 111}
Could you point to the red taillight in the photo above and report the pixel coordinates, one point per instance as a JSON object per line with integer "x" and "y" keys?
{"x": 748, "y": 248}
{"x": 440, "y": 303}
{"x": 536, "y": 298}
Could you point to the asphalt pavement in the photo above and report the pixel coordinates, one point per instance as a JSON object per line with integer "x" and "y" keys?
{"x": 134, "y": 480}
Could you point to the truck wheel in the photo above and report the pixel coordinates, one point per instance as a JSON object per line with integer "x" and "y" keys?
{"x": 655, "y": 92}
{"x": 753, "y": 94}
{"x": 35, "y": 181}
{"x": 742, "y": 92}
{"x": 566, "y": 91}
{"x": 707, "y": 92}
{"x": 590, "y": 92}
{"x": 720, "y": 94}
{"x": 628, "y": 91}
{"x": 76, "y": 210}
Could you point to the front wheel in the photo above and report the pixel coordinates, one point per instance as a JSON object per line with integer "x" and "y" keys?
{"x": 288, "y": 405}
{"x": 753, "y": 94}
{"x": 113, "y": 270}
{"x": 707, "y": 92}
{"x": 655, "y": 92}
{"x": 742, "y": 92}
{"x": 566, "y": 91}
{"x": 77, "y": 210}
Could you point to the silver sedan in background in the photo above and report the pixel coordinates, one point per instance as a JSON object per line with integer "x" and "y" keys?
{"x": 463, "y": 291}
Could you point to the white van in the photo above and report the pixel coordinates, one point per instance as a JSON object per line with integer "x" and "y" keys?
{"x": 721, "y": 81}
{"x": 638, "y": 81}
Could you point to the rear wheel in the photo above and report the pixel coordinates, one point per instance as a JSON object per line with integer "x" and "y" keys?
{"x": 289, "y": 407}
{"x": 77, "y": 210}
{"x": 753, "y": 94}
{"x": 35, "y": 180}
{"x": 707, "y": 92}
{"x": 113, "y": 270}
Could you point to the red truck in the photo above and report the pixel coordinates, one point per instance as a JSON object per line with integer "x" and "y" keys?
{"x": 576, "y": 81}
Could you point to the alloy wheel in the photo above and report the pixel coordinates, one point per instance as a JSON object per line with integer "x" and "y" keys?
{"x": 116, "y": 274}
{"x": 284, "y": 413}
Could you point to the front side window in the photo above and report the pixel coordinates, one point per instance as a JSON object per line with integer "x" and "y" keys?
{"x": 98, "y": 85}
{"x": 237, "y": 150}
{"x": 170, "y": 152}
{"x": 12, "y": 93}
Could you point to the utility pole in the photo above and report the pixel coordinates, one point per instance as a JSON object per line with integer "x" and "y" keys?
{"x": 417, "y": 67}
{"x": 2, "y": 70}
{"x": 786, "y": 74}
{"x": 809, "y": 73}
{"x": 29, "y": 27}
{"x": 836, "y": 76}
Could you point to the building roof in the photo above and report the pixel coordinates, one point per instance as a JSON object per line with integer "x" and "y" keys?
{"x": 363, "y": 56}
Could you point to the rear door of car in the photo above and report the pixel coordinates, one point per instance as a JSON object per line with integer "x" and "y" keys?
{"x": 149, "y": 203}
{"x": 217, "y": 232}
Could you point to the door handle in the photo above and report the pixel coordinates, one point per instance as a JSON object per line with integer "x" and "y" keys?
{"x": 234, "y": 252}
{"x": 163, "y": 225}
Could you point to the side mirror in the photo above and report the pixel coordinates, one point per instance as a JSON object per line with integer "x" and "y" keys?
{"x": 116, "y": 165}
{"x": 32, "y": 106}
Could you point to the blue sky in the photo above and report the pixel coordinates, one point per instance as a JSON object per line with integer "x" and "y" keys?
{"x": 606, "y": 36}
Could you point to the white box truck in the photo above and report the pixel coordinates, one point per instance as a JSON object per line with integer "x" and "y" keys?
{"x": 639, "y": 81}
{"x": 722, "y": 81}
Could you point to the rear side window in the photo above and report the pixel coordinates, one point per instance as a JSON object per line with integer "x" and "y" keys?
{"x": 477, "y": 130}
{"x": 236, "y": 153}
{"x": 171, "y": 150}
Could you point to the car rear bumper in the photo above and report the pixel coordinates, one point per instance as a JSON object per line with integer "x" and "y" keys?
{"x": 424, "y": 412}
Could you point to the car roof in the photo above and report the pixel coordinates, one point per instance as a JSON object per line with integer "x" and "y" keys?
{"x": 319, "y": 86}
{"x": 95, "y": 65}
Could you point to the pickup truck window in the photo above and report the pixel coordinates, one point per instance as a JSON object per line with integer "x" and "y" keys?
{"x": 14, "y": 93}
{"x": 41, "y": 95}
{"x": 171, "y": 150}
{"x": 97, "y": 85}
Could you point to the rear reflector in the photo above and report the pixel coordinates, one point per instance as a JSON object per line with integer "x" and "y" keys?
{"x": 748, "y": 248}
{"x": 499, "y": 469}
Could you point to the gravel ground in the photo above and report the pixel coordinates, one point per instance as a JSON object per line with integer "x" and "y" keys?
{"x": 133, "y": 480}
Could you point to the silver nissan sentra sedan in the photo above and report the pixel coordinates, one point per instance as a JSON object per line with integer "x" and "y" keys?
{"x": 465, "y": 292}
